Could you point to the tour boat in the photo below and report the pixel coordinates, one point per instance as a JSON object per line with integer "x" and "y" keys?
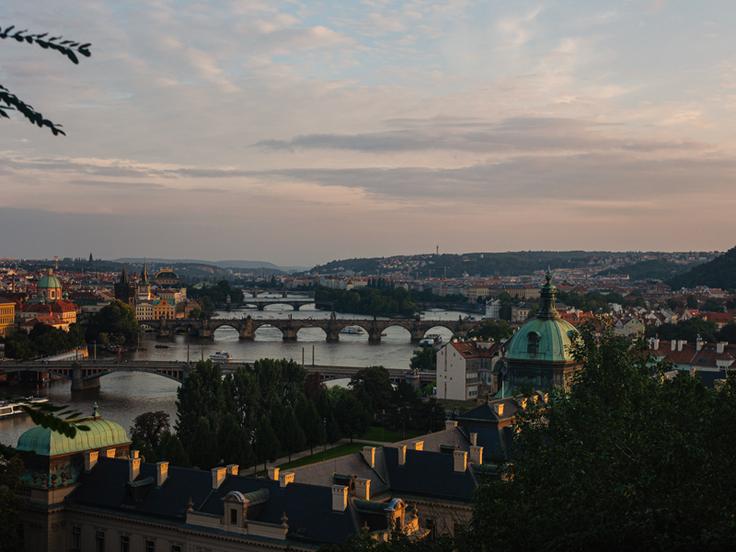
{"x": 14, "y": 408}
{"x": 220, "y": 356}
{"x": 352, "y": 330}
{"x": 431, "y": 340}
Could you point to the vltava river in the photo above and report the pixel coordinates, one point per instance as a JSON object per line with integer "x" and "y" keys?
{"x": 123, "y": 396}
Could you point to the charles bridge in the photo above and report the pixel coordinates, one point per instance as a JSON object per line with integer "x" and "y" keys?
{"x": 289, "y": 327}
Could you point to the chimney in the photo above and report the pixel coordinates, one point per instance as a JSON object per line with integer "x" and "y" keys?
{"x": 681, "y": 344}
{"x": 476, "y": 454}
{"x": 459, "y": 460}
{"x": 402, "y": 454}
{"x": 110, "y": 453}
{"x": 418, "y": 445}
{"x": 162, "y": 472}
{"x": 273, "y": 473}
{"x": 450, "y": 424}
{"x": 90, "y": 459}
{"x": 363, "y": 488}
{"x": 286, "y": 478}
{"x": 473, "y": 438}
{"x": 233, "y": 469}
{"x": 523, "y": 402}
{"x": 655, "y": 344}
{"x": 673, "y": 345}
{"x": 135, "y": 453}
{"x": 218, "y": 476}
{"x": 721, "y": 347}
{"x": 699, "y": 344}
{"x": 339, "y": 498}
{"x": 499, "y": 409}
{"x": 134, "y": 469}
{"x": 369, "y": 454}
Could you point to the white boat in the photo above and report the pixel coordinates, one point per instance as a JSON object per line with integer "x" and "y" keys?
{"x": 431, "y": 340}
{"x": 15, "y": 407}
{"x": 352, "y": 330}
{"x": 220, "y": 356}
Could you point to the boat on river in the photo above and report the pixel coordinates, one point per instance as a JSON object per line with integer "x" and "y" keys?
{"x": 431, "y": 340}
{"x": 10, "y": 408}
{"x": 220, "y": 356}
{"x": 352, "y": 330}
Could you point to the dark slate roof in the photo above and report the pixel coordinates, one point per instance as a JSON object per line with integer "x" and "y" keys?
{"x": 428, "y": 474}
{"x": 496, "y": 442}
{"x": 308, "y": 507}
{"x": 487, "y": 412}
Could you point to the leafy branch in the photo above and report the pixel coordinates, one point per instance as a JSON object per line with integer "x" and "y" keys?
{"x": 68, "y": 48}
{"x": 58, "y": 418}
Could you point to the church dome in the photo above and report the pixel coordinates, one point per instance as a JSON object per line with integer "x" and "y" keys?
{"x": 547, "y": 337}
{"x": 102, "y": 434}
{"x": 49, "y": 281}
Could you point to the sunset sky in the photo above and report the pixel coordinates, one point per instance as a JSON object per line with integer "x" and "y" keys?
{"x": 299, "y": 132}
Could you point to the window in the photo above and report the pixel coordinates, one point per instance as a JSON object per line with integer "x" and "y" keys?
{"x": 233, "y": 516}
{"x": 76, "y": 537}
{"x": 150, "y": 545}
{"x": 532, "y": 345}
{"x": 124, "y": 543}
{"x": 100, "y": 541}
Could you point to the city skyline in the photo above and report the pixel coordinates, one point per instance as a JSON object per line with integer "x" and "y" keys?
{"x": 302, "y": 133}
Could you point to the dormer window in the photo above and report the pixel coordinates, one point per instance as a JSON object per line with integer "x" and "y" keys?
{"x": 532, "y": 344}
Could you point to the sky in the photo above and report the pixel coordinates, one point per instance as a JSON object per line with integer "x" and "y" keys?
{"x": 299, "y": 132}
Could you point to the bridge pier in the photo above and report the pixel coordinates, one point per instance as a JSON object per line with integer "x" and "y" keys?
{"x": 289, "y": 334}
{"x": 417, "y": 335}
{"x": 261, "y": 306}
{"x": 80, "y": 383}
{"x": 374, "y": 337}
{"x": 333, "y": 336}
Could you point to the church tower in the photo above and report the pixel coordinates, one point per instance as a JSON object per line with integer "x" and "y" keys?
{"x": 539, "y": 355}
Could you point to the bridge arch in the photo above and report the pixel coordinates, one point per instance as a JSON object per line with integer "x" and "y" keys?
{"x": 307, "y": 306}
{"x": 441, "y": 329}
{"x": 311, "y": 333}
{"x": 396, "y": 332}
{"x": 268, "y": 332}
{"x": 282, "y": 307}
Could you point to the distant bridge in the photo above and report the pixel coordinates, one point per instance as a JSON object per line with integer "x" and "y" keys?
{"x": 86, "y": 374}
{"x": 262, "y": 302}
{"x": 289, "y": 327}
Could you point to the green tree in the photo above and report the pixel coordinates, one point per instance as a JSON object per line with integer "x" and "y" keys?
{"x": 116, "y": 320}
{"x": 292, "y": 435}
{"x": 496, "y": 330}
{"x": 234, "y": 443}
{"x": 626, "y": 460}
{"x": 314, "y": 430}
{"x": 146, "y": 434}
{"x": 11, "y": 468}
{"x": 728, "y": 333}
{"x": 171, "y": 449}
{"x": 199, "y": 396}
{"x": 267, "y": 442}
{"x": 372, "y": 387}
{"x": 204, "y": 451}
{"x": 424, "y": 359}
{"x": 351, "y": 415}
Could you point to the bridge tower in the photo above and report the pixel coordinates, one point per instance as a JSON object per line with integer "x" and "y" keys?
{"x": 332, "y": 329}
{"x": 247, "y": 329}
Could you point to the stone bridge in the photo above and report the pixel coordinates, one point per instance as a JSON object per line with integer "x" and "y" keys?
{"x": 86, "y": 374}
{"x": 262, "y": 302}
{"x": 289, "y": 327}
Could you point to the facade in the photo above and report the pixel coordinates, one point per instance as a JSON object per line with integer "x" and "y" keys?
{"x": 539, "y": 355}
{"x": 462, "y": 366}
{"x": 7, "y": 316}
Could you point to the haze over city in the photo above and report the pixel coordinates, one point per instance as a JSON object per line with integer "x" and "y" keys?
{"x": 310, "y": 131}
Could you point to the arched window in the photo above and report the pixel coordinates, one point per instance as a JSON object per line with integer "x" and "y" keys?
{"x": 532, "y": 344}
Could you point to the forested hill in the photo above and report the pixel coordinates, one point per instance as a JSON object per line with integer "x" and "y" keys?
{"x": 718, "y": 273}
{"x": 479, "y": 264}
{"x": 652, "y": 269}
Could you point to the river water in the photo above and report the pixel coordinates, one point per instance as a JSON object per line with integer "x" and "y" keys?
{"x": 123, "y": 396}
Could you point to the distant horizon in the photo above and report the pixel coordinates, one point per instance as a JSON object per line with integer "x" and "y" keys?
{"x": 159, "y": 259}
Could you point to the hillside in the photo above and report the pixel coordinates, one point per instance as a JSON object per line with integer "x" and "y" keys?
{"x": 483, "y": 264}
{"x": 718, "y": 273}
{"x": 651, "y": 269}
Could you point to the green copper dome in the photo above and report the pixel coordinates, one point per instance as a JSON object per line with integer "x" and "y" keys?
{"x": 49, "y": 281}
{"x": 546, "y": 338}
{"x": 101, "y": 434}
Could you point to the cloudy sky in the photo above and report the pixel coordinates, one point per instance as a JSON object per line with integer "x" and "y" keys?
{"x": 302, "y": 131}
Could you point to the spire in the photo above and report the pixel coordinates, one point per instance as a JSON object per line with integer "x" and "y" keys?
{"x": 124, "y": 275}
{"x": 144, "y": 273}
{"x": 548, "y": 294}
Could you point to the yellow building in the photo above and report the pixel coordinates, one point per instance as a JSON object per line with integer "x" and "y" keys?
{"x": 164, "y": 309}
{"x": 7, "y": 316}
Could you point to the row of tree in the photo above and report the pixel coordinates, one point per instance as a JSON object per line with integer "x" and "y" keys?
{"x": 43, "y": 340}
{"x": 275, "y": 409}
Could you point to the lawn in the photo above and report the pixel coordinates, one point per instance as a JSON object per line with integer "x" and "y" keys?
{"x": 336, "y": 452}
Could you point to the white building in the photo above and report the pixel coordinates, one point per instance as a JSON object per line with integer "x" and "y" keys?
{"x": 493, "y": 309}
{"x": 460, "y": 368}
